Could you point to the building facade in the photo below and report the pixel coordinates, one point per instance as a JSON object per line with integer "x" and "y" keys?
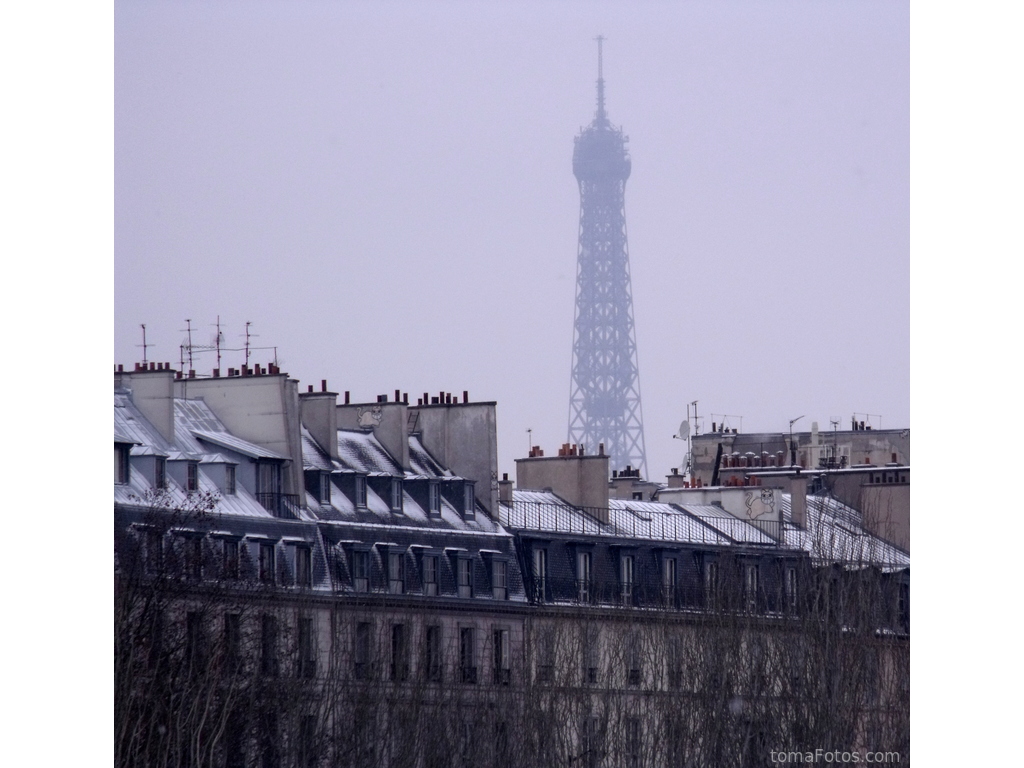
{"x": 306, "y": 582}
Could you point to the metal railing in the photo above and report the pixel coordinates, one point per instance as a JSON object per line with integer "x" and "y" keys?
{"x": 280, "y": 504}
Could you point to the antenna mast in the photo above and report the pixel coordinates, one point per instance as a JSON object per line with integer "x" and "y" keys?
{"x": 144, "y": 345}
{"x": 600, "y": 78}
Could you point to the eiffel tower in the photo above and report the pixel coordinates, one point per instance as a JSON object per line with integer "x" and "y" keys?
{"x": 604, "y": 398}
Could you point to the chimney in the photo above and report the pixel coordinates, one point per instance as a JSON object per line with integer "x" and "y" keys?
{"x": 318, "y": 413}
{"x": 580, "y": 480}
{"x": 153, "y": 395}
{"x": 798, "y": 500}
{"x": 505, "y": 489}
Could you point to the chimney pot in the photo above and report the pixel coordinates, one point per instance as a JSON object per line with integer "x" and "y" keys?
{"x": 191, "y": 374}
{"x": 405, "y": 398}
{"x": 216, "y": 373}
{"x": 504, "y": 476}
{"x": 323, "y": 385}
{"x": 600, "y": 449}
{"x": 309, "y": 388}
{"x": 177, "y": 374}
{"x": 346, "y": 397}
{"x": 398, "y": 396}
{"x": 465, "y": 395}
{"x": 152, "y": 366}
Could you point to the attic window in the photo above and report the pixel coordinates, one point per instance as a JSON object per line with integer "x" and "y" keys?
{"x": 325, "y": 488}
{"x": 229, "y": 480}
{"x": 469, "y": 502}
{"x": 360, "y": 499}
{"x": 192, "y": 481}
{"x": 122, "y": 469}
{"x": 434, "y": 499}
{"x": 396, "y": 494}
{"x": 160, "y": 473}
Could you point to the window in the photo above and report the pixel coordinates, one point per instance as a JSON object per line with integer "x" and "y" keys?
{"x": 325, "y": 488}
{"x": 397, "y": 495}
{"x": 154, "y": 551}
{"x": 268, "y": 478}
{"x": 361, "y": 571}
{"x": 591, "y": 743}
{"x": 399, "y": 653}
{"x": 303, "y": 566}
{"x": 632, "y": 742}
{"x": 396, "y": 573}
{"x": 499, "y": 579}
{"x": 194, "y": 557}
{"x": 546, "y": 656}
{"x": 270, "y": 756}
{"x": 268, "y": 645}
{"x": 192, "y": 479}
{"x": 627, "y": 564}
{"x": 230, "y": 487}
{"x": 232, "y": 643}
{"x": 361, "y": 651}
{"x": 230, "y": 559}
{"x": 583, "y": 577}
{"x": 540, "y": 574}
{"x": 360, "y": 499}
{"x": 791, "y": 590}
{"x": 429, "y": 574}
{"x": 307, "y": 648}
{"x": 434, "y": 499}
{"x": 465, "y": 566}
{"x": 122, "y": 467}
{"x": 750, "y": 590}
{"x": 591, "y": 638}
{"x": 160, "y": 473}
{"x": 634, "y": 660}
{"x": 195, "y": 646}
{"x": 468, "y": 502}
{"x": 669, "y": 580}
{"x": 711, "y": 585}
{"x": 502, "y": 669}
{"x": 307, "y": 742}
{"x": 432, "y": 665}
{"x": 267, "y": 562}
{"x": 467, "y": 654}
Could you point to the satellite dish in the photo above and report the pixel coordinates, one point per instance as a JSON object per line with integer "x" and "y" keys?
{"x": 684, "y": 429}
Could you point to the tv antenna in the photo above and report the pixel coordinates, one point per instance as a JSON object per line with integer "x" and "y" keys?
{"x": 144, "y": 345}
{"x": 792, "y": 445}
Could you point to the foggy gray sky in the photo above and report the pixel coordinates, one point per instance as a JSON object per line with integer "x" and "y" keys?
{"x": 386, "y": 192}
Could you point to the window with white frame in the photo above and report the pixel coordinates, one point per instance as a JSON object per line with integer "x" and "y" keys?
{"x": 465, "y": 576}
{"x": 160, "y": 473}
{"x": 360, "y": 570}
{"x": 499, "y": 579}
{"x": 468, "y": 502}
{"x": 627, "y": 565}
{"x": 360, "y": 499}
{"x": 430, "y": 575}
{"x": 669, "y": 579}
{"x": 540, "y": 573}
{"x": 325, "y": 488}
{"x": 230, "y": 486}
{"x": 397, "y": 495}
{"x": 396, "y": 573}
{"x": 192, "y": 478}
{"x": 583, "y": 560}
{"x": 433, "y": 499}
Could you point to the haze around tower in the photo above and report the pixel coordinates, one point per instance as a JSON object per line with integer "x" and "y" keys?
{"x": 385, "y": 191}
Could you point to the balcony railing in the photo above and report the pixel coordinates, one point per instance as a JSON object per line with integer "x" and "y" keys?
{"x": 280, "y": 504}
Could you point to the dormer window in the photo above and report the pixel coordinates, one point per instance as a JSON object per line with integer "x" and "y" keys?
{"x": 469, "y": 502}
{"x": 360, "y": 494}
{"x": 192, "y": 479}
{"x": 160, "y": 473}
{"x": 396, "y": 494}
{"x": 434, "y": 498}
{"x": 122, "y": 468}
{"x": 325, "y": 488}
{"x": 229, "y": 480}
